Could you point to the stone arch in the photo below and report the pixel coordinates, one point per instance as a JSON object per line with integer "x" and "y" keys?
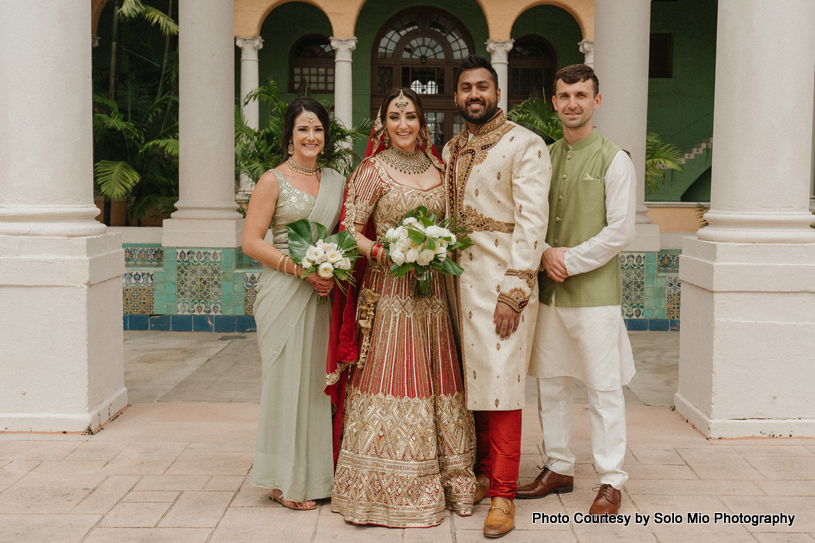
{"x": 96, "y": 12}
{"x": 342, "y": 14}
{"x": 501, "y": 16}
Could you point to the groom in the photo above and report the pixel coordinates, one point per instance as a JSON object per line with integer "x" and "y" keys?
{"x": 497, "y": 184}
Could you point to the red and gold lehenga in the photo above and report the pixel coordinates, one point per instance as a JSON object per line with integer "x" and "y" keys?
{"x": 408, "y": 440}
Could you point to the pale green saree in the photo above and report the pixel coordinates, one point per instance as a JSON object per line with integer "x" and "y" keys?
{"x": 294, "y": 447}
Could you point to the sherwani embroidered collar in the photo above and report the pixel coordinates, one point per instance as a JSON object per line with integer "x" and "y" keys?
{"x": 585, "y": 142}
{"x": 466, "y": 138}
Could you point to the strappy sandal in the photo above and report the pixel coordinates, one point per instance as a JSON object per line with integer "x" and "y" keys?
{"x": 281, "y": 501}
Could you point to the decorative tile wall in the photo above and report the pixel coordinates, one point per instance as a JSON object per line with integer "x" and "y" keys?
{"x": 146, "y": 254}
{"x": 214, "y": 289}
{"x": 250, "y": 284}
{"x": 632, "y": 270}
{"x": 138, "y": 292}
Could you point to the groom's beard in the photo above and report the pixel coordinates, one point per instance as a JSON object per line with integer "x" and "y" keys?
{"x": 486, "y": 113}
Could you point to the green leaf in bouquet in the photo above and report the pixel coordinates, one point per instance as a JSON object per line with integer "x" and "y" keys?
{"x": 299, "y": 239}
{"x": 463, "y": 243}
{"x": 430, "y": 244}
{"x": 420, "y": 211}
{"x": 416, "y": 236}
{"x": 345, "y": 240}
{"x": 451, "y": 268}
{"x": 321, "y": 231}
{"x": 401, "y": 271}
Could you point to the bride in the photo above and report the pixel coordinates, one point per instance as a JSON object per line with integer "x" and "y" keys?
{"x": 408, "y": 440}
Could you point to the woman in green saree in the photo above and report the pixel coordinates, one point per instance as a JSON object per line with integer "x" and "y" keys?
{"x": 293, "y": 456}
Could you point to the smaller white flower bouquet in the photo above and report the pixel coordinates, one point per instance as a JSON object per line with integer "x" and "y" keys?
{"x": 330, "y": 256}
{"x": 421, "y": 243}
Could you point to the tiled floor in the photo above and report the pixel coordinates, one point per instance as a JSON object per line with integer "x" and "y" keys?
{"x": 174, "y": 466}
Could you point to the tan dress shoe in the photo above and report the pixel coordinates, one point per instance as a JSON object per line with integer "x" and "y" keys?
{"x": 607, "y": 501}
{"x": 547, "y": 482}
{"x": 501, "y": 518}
{"x": 481, "y": 487}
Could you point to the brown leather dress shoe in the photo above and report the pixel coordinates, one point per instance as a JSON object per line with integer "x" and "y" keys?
{"x": 501, "y": 518}
{"x": 481, "y": 487}
{"x": 607, "y": 501}
{"x": 547, "y": 482}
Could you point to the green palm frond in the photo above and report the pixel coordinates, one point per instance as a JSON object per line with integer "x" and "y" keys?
{"x": 131, "y": 9}
{"x": 153, "y": 205}
{"x": 165, "y": 145}
{"x": 659, "y": 156}
{"x": 539, "y": 116}
{"x": 155, "y": 17}
{"x": 113, "y": 122}
{"x": 115, "y": 179}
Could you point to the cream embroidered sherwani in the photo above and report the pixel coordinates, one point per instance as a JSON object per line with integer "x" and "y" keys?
{"x": 497, "y": 184}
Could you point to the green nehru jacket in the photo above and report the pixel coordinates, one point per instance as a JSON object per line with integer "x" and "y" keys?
{"x": 577, "y": 213}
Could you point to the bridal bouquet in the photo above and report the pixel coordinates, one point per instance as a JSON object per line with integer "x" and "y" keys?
{"x": 330, "y": 256}
{"x": 421, "y": 243}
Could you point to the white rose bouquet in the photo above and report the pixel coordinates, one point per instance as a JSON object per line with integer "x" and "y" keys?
{"x": 330, "y": 256}
{"x": 421, "y": 243}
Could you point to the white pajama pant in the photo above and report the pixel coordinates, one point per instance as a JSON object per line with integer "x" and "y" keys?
{"x": 606, "y": 422}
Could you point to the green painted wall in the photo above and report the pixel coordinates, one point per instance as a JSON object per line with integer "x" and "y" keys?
{"x": 680, "y": 109}
{"x": 282, "y": 28}
{"x": 557, "y": 26}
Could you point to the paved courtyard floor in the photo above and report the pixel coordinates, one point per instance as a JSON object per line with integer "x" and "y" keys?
{"x": 174, "y": 466}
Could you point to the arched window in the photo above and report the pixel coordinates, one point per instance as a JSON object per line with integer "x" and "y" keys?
{"x": 532, "y": 67}
{"x": 420, "y": 48}
{"x": 311, "y": 65}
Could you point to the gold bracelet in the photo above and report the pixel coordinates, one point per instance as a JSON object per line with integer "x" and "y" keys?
{"x": 369, "y": 254}
{"x": 285, "y": 266}
{"x": 277, "y": 262}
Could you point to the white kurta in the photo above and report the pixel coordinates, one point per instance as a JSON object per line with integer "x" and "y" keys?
{"x": 591, "y": 343}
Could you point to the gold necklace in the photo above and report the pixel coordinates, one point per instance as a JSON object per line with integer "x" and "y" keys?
{"x": 295, "y": 167}
{"x": 409, "y": 163}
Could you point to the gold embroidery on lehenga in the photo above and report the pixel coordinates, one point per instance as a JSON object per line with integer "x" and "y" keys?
{"x": 366, "y": 310}
{"x": 403, "y": 475}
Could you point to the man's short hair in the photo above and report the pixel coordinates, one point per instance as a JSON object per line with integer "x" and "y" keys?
{"x": 473, "y": 62}
{"x": 577, "y": 73}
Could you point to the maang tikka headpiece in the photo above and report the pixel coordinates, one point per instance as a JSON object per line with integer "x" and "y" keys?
{"x": 401, "y": 101}
{"x": 310, "y": 116}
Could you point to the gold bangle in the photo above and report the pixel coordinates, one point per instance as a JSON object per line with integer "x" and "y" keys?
{"x": 277, "y": 262}
{"x": 285, "y": 265}
{"x": 369, "y": 253}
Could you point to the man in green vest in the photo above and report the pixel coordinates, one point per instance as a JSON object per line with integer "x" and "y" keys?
{"x": 580, "y": 332}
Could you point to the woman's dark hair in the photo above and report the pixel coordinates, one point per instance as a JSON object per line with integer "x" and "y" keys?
{"x": 383, "y": 111}
{"x": 294, "y": 109}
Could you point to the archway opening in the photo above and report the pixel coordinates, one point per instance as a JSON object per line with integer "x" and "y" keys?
{"x": 421, "y": 48}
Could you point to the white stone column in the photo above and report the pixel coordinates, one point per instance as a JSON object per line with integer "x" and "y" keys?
{"x": 61, "y": 360}
{"x": 622, "y": 34}
{"x": 499, "y": 58}
{"x": 748, "y": 283}
{"x": 206, "y": 215}
{"x": 587, "y": 48}
{"x": 343, "y": 81}
{"x": 250, "y": 80}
